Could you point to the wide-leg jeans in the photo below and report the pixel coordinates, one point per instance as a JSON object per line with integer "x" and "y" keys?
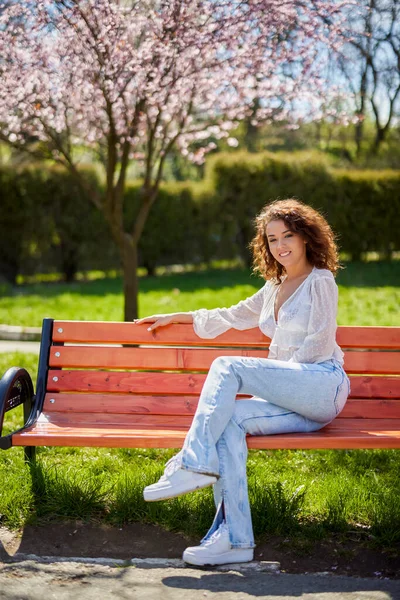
{"x": 286, "y": 398}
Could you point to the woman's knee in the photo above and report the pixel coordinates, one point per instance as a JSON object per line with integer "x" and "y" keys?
{"x": 226, "y": 365}
{"x": 222, "y": 362}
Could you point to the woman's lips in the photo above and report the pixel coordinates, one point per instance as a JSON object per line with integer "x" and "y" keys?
{"x": 284, "y": 254}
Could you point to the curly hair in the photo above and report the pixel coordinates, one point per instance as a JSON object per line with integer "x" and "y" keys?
{"x": 321, "y": 249}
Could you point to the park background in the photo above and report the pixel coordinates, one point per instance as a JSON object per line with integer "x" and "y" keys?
{"x": 59, "y": 258}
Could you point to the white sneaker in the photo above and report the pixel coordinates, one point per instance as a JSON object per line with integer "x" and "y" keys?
{"x": 217, "y": 550}
{"x": 176, "y": 481}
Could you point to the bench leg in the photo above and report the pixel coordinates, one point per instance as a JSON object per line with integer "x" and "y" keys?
{"x": 30, "y": 454}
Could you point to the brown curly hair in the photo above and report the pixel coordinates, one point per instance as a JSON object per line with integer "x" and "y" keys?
{"x": 321, "y": 249}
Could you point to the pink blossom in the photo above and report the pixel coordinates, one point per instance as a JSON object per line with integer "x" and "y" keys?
{"x": 166, "y": 70}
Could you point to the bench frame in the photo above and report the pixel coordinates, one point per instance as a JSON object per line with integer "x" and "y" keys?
{"x": 16, "y": 388}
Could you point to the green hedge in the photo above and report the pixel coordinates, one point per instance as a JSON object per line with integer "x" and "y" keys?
{"x": 178, "y": 226}
{"x": 363, "y": 207}
{"x": 47, "y": 224}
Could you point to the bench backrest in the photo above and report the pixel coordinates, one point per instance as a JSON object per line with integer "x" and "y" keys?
{"x": 121, "y": 373}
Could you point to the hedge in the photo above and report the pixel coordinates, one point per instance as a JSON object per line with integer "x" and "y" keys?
{"x": 47, "y": 224}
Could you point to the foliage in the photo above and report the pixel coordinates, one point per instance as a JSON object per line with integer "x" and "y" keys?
{"x": 49, "y": 225}
{"x": 363, "y": 207}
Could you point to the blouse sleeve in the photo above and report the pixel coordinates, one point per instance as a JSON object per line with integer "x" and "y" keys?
{"x": 321, "y": 336}
{"x": 245, "y": 315}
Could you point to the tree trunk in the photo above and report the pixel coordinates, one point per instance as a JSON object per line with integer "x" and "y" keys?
{"x": 361, "y": 113}
{"x": 379, "y": 138}
{"x": 69, "y": 260}
{"x": 131, "y": 283}
{"x": 359, "y": 137}
{"x": 251, "y": 131}
{"x": 9, "y": 271}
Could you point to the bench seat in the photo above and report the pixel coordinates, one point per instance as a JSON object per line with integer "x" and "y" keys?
{"x": 345, "y": 434}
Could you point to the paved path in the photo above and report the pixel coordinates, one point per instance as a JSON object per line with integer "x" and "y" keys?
{"x": 6, "y": 346}
{"x": 69, "y": 580}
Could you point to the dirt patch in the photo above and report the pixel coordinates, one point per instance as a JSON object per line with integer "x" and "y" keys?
{"x": 335, "y": 555}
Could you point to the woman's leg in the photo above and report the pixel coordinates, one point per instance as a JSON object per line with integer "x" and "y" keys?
{"x": 315, "y": 391}
{"x": 257, "y": 417}
{"x": 288, "y": 398}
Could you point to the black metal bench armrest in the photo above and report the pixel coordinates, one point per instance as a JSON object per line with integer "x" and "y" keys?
{"x": 16, "y": 388}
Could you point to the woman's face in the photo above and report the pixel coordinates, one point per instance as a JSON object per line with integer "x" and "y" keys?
{"x": 287, "y": 247}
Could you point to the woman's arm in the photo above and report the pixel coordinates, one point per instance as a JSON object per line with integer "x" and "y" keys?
{"x": 162, "y": 320}
{"x": 321, "y": 338}
{"x": 210, "y": 323}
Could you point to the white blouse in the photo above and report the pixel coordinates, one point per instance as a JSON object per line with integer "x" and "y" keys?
{"x": 306, "y": 328}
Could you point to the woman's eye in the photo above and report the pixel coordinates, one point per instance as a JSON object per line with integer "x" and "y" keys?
{"x": 289, "y": 235}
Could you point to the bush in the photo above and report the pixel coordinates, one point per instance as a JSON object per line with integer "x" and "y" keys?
{"x": 362, "y": 206}
{"x": 49, "y": 224}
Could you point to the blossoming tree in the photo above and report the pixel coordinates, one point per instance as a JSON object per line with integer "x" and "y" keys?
{"x": 131, "y": 80}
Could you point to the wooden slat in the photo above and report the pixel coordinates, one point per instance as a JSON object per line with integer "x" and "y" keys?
{"x": 84, "y": 420}
{"x": 374, "y": 387}
{"x": 157, "y": 422}
{"x": 120, "y": 437}
{"x": 363, "y": 425}
{"x": 186, "y": 405}
{"x": 387, "y": 363}
{"x": 121, "y": 403}
{"x": 142, "y": 358}
{"x": 369, "y": 337}
{"x": 183, "y": 334}
{"x": 125, "y": 382}
{"x": 370, "y": 409}
{"x": 186, "y": 383}
{"x": 384, "y": 363}
{"x": 99, "y": 438}
{"x": 108, "y": 332}
{"x": 327, "y": 440}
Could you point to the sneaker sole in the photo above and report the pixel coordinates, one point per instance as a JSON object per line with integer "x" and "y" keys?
{"x": 155, "y": 495}
{"x": 222, "y": 559}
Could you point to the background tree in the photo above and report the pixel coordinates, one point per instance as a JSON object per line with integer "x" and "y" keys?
{"x": 370, "y": 62}
{"x": 128, "y": 81}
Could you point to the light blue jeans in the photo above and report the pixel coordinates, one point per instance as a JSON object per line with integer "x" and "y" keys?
{"x": 286, "y": 398}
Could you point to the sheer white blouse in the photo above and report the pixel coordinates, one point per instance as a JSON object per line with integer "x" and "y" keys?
{"x": 306, "y": 328}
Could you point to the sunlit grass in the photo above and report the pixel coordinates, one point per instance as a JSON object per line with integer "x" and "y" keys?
{"x": 369, "y": 295}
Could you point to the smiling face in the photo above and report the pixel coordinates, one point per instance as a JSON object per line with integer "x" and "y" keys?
{"x": 288, "y": 248}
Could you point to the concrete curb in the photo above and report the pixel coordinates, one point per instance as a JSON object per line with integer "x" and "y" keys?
{"x": 20, "y": 334}
{"x": 162, "y": 563}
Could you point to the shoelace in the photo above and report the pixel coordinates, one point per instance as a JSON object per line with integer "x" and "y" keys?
{"x": 171, "y": 466}
{"x": 221, "y": 529}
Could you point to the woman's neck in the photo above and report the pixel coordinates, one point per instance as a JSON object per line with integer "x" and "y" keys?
{"x": 298, "y": 271}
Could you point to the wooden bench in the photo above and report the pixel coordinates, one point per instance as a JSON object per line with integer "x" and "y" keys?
{"x": 118, "y": 385}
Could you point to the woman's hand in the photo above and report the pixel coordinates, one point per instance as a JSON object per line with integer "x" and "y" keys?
{"x": 162, "y": 320}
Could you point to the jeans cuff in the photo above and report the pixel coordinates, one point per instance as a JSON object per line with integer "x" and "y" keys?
{"x": 200, "y": 469}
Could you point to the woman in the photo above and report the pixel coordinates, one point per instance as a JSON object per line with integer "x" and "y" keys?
{"x": 300, "y": 387}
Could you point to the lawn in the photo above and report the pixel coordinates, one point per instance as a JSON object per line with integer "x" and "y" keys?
{"x": 369, "y": 294}
{"x": 305, "y": 493}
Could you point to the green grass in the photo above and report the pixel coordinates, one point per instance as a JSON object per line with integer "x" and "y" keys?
{"x": 369, "y": 294}
{"x": 303, "y": 493}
